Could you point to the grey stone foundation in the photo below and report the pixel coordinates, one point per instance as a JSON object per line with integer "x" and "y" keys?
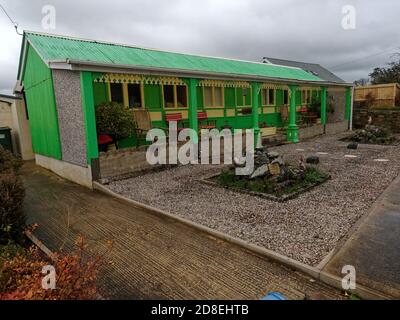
{"x": 67, "y": 88}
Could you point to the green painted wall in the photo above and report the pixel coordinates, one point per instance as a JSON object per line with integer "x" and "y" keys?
{"x": 89, "y": 115}
{"x": 200, "y": 98}
{"x": 153, "y": 96}
{"x": 233, "y": 98}
{"x": 41, "y": 104}
{"x": 229, "y": 97}
{"x": 100, "y": 90}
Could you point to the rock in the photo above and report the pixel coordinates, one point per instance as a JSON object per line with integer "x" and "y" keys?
{"x": 260, "y": 172}
{"x": 273, "y": 155}
{"x": 274, "y": 169}
{"x": 261, "y": 159}
{"x": 353, "y": 146}
{"x": 104, "y": 181}
{"x": 312, "y": 160}
{"x": 279, "y": 161}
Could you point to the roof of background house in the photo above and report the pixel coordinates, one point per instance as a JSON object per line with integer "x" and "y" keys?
{"x": 313, "y": 68}
{"x": 9, "y": 97}
{"x": 56, "y": 50}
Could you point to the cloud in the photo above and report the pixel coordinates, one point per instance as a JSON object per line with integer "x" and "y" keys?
{"x": 300, "y": 30}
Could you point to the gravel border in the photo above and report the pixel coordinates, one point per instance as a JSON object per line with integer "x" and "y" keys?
{"x": 306, "y": 228}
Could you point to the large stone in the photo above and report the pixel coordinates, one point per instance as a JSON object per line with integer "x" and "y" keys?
{"x": 312, "y": 160}
{"x": 274, "y": 169}
{"x": 273, "y": 154}
{"x": 260, "y": 172}
{"x": 279, "y": 161}
{"x": 352, "y": 146}
{"x": 261, "y": 159}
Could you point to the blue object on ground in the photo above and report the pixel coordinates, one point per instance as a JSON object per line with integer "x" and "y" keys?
{"x": 274, "y": 296}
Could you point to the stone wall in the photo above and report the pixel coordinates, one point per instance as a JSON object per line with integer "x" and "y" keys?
{"x": 389, "y": 119}
{"x": 122, "y": 162}
{"x": 67, "y": 88}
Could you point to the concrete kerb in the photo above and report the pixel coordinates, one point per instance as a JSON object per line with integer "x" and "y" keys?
{"x": 40, "y": 245}
{"x": 318, "y": 274}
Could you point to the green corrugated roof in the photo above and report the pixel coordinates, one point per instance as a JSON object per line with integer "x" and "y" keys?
{"x": 51, "y": 47}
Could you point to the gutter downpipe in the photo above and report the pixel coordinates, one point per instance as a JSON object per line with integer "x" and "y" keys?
{"x": 351, "y": 108}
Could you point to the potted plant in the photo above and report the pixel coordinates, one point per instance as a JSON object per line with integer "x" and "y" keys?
{"x": 115, "y": 120}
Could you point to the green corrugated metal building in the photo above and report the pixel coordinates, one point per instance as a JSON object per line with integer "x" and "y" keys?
{"x": 65, "y": 78}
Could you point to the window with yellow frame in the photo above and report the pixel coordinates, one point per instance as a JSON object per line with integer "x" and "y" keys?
{"x": 306, "y": 96}
{"x": 303, "y": 96}
{"x": 244, "y": 97}
{"x": 175, "y": 96}
{"x": 268, "y": 97}
{"x": 213, "y": 97}
{"x": 130, "y": 95}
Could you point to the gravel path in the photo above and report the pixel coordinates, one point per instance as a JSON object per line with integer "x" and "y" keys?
{"x": 306, "y": 228}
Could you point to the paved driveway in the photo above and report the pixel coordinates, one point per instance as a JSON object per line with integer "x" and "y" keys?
{"x": 154, "y": 257}
{"x": 374, "y": 248}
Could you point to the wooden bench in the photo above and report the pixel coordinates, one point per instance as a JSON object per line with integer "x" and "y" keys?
{"x": 176, "y": 117}
{"x": 203, "y": 117}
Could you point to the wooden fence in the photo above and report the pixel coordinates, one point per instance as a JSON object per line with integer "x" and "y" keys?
{"x": 378, "y": 96}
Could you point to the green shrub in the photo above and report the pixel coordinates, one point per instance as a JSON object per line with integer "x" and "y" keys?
{"x": 115, "y": 119}
{"x": 9, "y": 251}
{"x": 9, "y": 163}
{"x": 12, "y": 217}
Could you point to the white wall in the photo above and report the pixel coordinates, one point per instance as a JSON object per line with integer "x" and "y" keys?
{"x": 69, "y": 171}
{"x": 13, "y": 115}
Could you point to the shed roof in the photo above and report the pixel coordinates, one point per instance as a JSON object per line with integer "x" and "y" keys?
{"x": 313, "y": 68}
{"x": 55, "y": 49}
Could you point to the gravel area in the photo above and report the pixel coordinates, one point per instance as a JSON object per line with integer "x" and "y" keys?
{"x": 306, "y": 228}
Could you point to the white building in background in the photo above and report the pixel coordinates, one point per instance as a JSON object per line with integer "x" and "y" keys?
{"x": 13, "y": 115}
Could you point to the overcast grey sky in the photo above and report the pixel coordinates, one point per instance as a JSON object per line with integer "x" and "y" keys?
{"x": 304, "y": 30}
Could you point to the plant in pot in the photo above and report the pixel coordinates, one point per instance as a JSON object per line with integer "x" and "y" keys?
{"x": 115, "y": 120}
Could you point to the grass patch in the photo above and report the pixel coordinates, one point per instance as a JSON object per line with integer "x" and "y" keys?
{"x": 279, "y": 186}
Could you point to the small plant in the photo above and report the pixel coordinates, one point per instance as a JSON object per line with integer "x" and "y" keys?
{"x": 12, "y": 192}
{"x": 76, "y": 275}
{"x": 9, "y": 163}
{"x": 114, "y": 119}
{"x": 12, "y": 217}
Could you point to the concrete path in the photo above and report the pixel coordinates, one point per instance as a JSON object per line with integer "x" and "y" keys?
{"x": 154, "y": 257}
{"x": 374, "y": 247}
